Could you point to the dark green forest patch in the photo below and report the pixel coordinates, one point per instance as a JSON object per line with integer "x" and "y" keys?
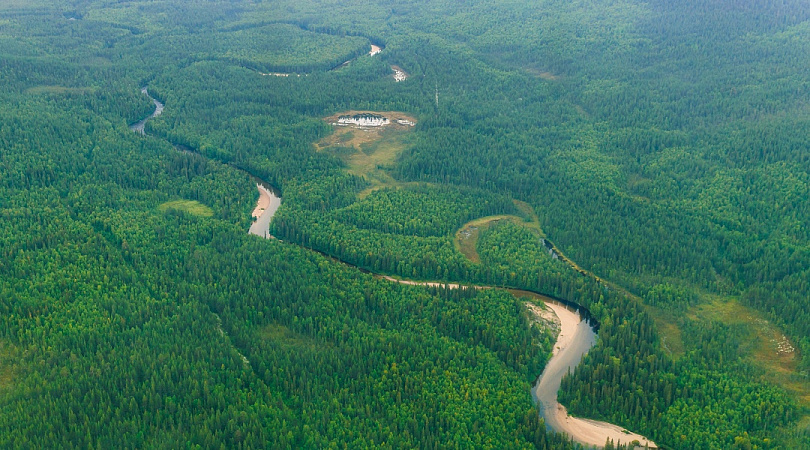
{"x": 271, "y": 48}
{"x": 421, "y": 210}
{"x": 58, "y": 90}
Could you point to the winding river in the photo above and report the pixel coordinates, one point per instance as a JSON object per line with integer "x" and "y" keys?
{"x": 139, "y": 127}
{"x": 269, "y": 197}
{"x": 575, "y": 339}
{"x": 577, "y": 335}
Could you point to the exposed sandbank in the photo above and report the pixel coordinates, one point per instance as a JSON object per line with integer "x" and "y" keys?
{"x": 574, "y": 339}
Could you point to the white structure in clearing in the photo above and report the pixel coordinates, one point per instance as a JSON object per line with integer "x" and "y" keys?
{"x": 399, "y": 75}
{"x": 363, "y": 120}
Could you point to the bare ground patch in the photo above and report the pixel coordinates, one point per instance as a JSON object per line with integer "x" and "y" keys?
{"x": 540, "y": 73}
{"x": 399, "y": 74}
{"x": 368, "y": 151}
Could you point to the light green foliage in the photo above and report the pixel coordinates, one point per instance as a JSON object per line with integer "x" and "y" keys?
{"x": 663, "y": 146}
{"x": 190, "y": 206}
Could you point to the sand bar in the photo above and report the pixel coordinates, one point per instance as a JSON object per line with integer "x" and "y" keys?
{"x": 574, "y": 340}
{"x": 265, "y": 209}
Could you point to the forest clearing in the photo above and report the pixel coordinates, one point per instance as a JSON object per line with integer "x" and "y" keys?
{"x": 369, "y": 151}
{"x": 626, "y": 159}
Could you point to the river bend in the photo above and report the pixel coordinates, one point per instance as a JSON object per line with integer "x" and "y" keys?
{"x": 269, "y": 197}
{"x": 576, "y": 335}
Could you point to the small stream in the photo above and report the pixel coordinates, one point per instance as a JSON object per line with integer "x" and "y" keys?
{"x": 269, "y": 197}
{"x": 139, "y": 127}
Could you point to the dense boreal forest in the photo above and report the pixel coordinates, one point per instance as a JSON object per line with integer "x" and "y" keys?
{"x": 662, "y": 147}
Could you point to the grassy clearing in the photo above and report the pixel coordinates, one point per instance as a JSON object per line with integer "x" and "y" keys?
{"x": 369, "y": 152}
{"x": 769, "y": 349}
{"x": 671, "y": 336}
{"x": 540, "y": 73}
{"x": 190, "y": 206}
{"x": 288, "y": 338}
{"x": 7, "y": 356}
{"x": 466, "y": 238}
{"x": 764, "y": 347}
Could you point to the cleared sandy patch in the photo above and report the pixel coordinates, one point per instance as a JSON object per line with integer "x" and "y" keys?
{"x": 264, "y": 201}
{"x": 368, "y": 142}
{"x": 545, "y": 314}
{"x": 429, "y": 283}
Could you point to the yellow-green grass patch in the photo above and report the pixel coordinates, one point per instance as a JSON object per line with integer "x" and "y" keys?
{"x": 190, "y": 206}
{"x": 466, "y": 238}
{"x": 771, "y": 350}
{"x": 668, "y": 330}
{"x": 544, "y": 74}
{"x": 369, "y": 151}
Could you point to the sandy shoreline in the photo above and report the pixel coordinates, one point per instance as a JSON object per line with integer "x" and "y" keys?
{"x": 428, "y": 283}
{"x": 263, "y": 203}
{"x": 575, "y": 338}
{"x": 265, "y": 209}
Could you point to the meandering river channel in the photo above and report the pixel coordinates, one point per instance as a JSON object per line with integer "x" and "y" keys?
{"x": 269, "y": 197}
{"x": 576, "y": 335}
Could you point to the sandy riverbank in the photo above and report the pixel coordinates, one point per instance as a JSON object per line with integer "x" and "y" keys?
{"x": 426, "y": 283}
{"x": 265, "y": 209}
{"x": 575, "y": 338}
{"x": 264, "y": 201}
